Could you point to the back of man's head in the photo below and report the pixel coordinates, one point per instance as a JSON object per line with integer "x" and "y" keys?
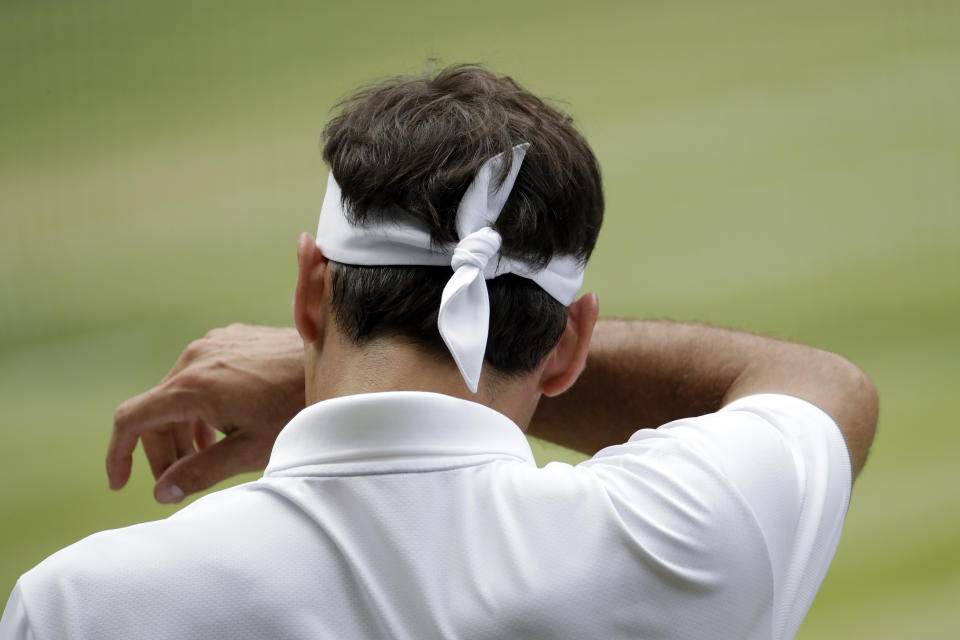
{"x": 407, "y": 149}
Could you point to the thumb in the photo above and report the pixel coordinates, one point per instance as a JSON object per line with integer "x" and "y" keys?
{"x": 233, "y": 455}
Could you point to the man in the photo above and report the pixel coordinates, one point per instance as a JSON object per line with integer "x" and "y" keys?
{"x": 435, "y": 309}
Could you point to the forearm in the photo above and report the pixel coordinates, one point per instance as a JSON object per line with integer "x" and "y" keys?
{"x": 646, "y": 373}
{"x": 638, "y": 374}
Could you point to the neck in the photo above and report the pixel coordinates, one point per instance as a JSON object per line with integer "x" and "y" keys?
{"x": 339, "y": 368}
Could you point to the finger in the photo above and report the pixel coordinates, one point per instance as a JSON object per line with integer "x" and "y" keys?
{"x": 215, "y": 340}
{"x": 161, "y": 405}
{"x": 233, "y": 455}
{"x": 160, "y": 449}
{"x": 194, "y": 351}
{"x": 204, "y": 435}
{"x": 183, "y": 440}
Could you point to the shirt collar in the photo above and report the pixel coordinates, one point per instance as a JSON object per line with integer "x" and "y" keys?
{"x": 394, "y": 431}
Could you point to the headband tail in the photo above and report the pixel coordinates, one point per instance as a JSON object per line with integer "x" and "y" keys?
{"x": 464, "y": 321}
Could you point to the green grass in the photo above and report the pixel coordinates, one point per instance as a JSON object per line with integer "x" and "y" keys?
{"x": 791, "y": 168}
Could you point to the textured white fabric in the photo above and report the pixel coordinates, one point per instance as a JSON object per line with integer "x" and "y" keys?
{"x": 16, "y": 622}
{"x": 464, "y": 307}
{"x": 415, "y": 515}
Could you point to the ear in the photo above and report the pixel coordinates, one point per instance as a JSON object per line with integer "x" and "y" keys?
{"x": 309, "y": 309}
{"x": 569, "y": 357}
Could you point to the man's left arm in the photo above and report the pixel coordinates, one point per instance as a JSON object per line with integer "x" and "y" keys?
{"x": 15, "y": 623}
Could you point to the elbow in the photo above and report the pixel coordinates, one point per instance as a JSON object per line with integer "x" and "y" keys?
{"x": 862, "y": 407}
{"x": 863, "y": 395}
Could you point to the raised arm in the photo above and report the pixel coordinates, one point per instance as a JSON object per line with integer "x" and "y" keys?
{"x": 244, "y": 381}
{"x": 247, "y": 382}
{"x": 646, "y": 373}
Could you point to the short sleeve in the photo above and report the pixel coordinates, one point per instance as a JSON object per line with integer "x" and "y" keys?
{"x": 786, "y": 462}
{"x": 802, "y": 541}
{"x": 15, "y": 625}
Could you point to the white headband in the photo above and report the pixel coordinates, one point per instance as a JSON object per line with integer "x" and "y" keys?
{"x": 464, "y": 306}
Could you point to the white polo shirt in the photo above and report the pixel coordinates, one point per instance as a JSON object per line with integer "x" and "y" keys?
{"x": 416, "y": 515}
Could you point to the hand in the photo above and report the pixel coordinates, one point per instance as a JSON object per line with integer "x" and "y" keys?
{"x": 245, "y": 381}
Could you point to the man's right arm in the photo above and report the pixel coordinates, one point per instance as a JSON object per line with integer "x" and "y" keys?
{"x": 244, "y": 381}
{"x": 758, "y": 460}
{"x": 647, "y": 373}
{"x": 638, "y": 374}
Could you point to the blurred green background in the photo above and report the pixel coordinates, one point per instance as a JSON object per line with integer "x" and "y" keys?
{"x": 791, "y": 168}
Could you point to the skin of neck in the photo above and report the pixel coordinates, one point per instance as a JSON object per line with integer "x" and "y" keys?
{"x": 335, "y": 366}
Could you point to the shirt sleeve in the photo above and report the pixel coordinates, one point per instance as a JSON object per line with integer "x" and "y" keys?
{"x": 784, "y": 459}
{"x": 15, "y": 625}
{"x": 802, "y": 539}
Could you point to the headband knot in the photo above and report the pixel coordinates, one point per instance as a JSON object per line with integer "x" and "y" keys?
{"x": 464, "y": 316}
{"x": 476, "y": 250}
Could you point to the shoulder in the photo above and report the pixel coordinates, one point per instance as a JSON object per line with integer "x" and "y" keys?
{"x": 114, "y": 582}
{"x": 768, "y": 475}
{"x": 760, "y": 445}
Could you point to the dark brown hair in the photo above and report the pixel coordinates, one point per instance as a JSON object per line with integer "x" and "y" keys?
{"x": 409, "y": 147}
